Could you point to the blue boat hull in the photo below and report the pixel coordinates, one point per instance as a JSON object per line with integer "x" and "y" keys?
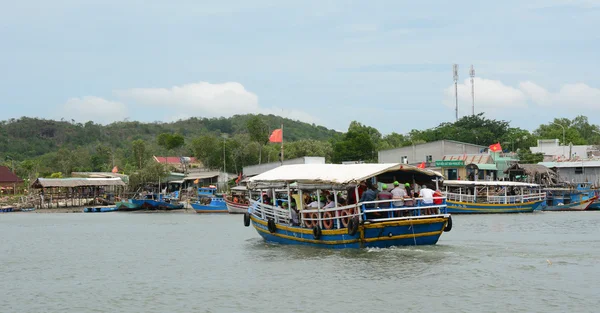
{"x": 594, "y": 206}
{"x": 577, "y": 206}
{"x": 6, "y": 210}
{"x": 376, "y": 235}
{"x": 455, "y": 207}
{"x": 149, "y": 204}
{"x": 216, "y": 205}
{"x": 99, "y": 210}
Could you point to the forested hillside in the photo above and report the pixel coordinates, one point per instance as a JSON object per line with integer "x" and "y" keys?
{"x": 37, "y": 147}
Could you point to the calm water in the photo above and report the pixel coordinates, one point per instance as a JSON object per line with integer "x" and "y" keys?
{"x": 129, "y": 262}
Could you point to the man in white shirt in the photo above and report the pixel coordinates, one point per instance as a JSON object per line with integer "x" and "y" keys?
{"x": 427, "y": 195}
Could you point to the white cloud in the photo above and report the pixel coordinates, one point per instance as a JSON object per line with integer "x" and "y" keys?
{"x": 94, "y": 109}
{"x": 493, "y": 94}
{"x": 206, "y": 100}
{"x": 489, "y": 94}
{"x": 201, "y": 98}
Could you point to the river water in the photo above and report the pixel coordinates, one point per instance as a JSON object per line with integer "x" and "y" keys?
{"x": 175, "y": 262}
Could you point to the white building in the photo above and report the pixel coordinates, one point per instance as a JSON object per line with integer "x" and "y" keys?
{"x": 428, "y": 152}
{"x": 553, "y": 151}
{"x": 580, "y": 171}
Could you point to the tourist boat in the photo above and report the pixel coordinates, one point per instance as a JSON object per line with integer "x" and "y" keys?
{"x": 571, "y": 197}
{"x": 373, "y": 224}
{"x": 100, "y": 209}
{"x": 155, "y": 201}
{"x": 237, "y": 202}
{"x": 209, "y": 201}
{"x": 478, "y": 197}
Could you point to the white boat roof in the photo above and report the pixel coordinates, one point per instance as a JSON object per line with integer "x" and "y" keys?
{"x": 338, "y": 174}
{"x": 488, "y": 183}
{"x": 239, "y": 188}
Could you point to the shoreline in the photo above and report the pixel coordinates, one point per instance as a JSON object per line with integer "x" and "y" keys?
{"x": 80, "y": 210}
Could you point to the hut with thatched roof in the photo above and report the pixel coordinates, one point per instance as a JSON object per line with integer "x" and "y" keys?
{"x": 532, "y": 173}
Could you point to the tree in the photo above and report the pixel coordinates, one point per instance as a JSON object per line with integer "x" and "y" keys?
{"x": 259, "y": 133}
{"x": 170, "y": 141}
{"x": 526, "y": 157}
{"x": 206, "y": 149}
{"x": 356, "y": 145}
{"x": 139, "y": 152}
{"x": 553, "y": 130}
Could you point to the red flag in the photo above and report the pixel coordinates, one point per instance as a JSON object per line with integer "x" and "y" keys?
{"x": 115, "y": 169}
{"x": 496, "y": 147}
{"x": 422, "y": 165}
{"x": 276, "y": 135}
{"x": 239, "y": 178}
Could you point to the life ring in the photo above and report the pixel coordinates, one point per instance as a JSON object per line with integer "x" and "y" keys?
{"x": 315, "y": 218}
{"x": 327, "y": 223}
{"x": 345, "y": 217}
{"x": 448, "y": 224}
{"x": 236, "y": 200}
{"x": 246, "y": 219}
{"x": 317, "y": 232}
{"x": 353, "y": 226}
{"x": 271, "y": 226}
{"x": 307, "y": 223}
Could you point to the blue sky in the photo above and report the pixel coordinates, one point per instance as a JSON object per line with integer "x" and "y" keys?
{"x": 387, "y": 64}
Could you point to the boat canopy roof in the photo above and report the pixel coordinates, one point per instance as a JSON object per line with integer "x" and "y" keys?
{"x": 488, "y": 183}
{"x": 239, "y": 188}
{"x": 332, "y": 175}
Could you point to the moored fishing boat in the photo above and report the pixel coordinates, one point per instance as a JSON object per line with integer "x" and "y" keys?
{"x": 157, "y": 202}
{"x": 127, "y": 205}
{"x": 209, "y": 201}
{"x": 100, "y": 209}
{"x": 237, "y": 202}
{"x": 492, "y": 196}
{"x": 571, "y": 197}
{"x": 596, "y": 204}
{"x": 364, "y": 224}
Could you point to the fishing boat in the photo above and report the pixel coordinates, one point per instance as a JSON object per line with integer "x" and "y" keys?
{"x": 209, "y": 201}
{"x": 101, "y": 209}
{"x": 570, "y": 197}
{"x": 366, "y": 224}
{"x": 6, "y": 209}
{"x": 155, "y": 201}
{"x": 492, "y": 196}
{"x": 237, "y": 202}
{"x": 596, "y": 204}
{"x": 127, "y": 205}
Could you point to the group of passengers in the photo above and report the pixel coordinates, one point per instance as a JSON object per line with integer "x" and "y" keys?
{"x": 400, "y": 196}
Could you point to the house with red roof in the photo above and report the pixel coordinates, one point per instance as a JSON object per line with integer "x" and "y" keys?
{"x": 9, "y": 181}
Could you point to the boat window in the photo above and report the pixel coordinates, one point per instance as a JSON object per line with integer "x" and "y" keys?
{"x": 579, "y": 170}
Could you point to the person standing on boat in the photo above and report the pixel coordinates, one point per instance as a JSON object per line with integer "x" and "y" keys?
{"x": 369, "y": 195}
{"x": 427, "y": 195}
{"x": 398, "y": 194}
{"x": 409, "y": 194}
{"x": 385, "y": 194}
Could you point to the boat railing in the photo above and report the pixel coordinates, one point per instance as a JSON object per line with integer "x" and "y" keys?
{"x": 338, "y": 217}
{"x": 460, "y": 197}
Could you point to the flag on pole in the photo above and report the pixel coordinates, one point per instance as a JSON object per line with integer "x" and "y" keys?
{"x": 422, "y": 165}
{"x": 115, "y": 169}
{"x": 495, "y": 147}
{"x": 276, "y": 135}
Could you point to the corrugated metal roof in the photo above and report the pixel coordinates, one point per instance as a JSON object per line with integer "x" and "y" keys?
{"x": 469, "y": 158}
{"x": 201, "y": 175}
{"x": 76, "y": 182}
{"x": 572, "y": 164}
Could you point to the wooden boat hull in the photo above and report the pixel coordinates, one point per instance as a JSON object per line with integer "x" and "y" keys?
{"x": 577, "y": 206}
{"x": 216, "y": 205}
{"x": 236, "y": 208}
{"x": 127, "y": 206}
{"x": 425, "y": 231}
{"x": 457, "y": 207}
{"x": 6, "y": 209}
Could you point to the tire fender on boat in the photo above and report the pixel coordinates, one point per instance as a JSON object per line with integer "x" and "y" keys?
{"x": 327, "y": 224}
{"x": 448, "y": 224}
{"x": 246, "y": 219}
{"x": 353, "y": 226}
{"x": 271, "y": 226}
{"x": 317, "y": 232}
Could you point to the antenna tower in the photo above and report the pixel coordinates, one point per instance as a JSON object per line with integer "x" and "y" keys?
{"x": 455, "y": 76}
{"x": 472, "y": 74}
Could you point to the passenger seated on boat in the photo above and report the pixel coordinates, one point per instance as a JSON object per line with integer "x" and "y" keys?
{"x": 385, "y": 194}
{"x": 330, "y": 202}
{"x": 295, "y": 221}
{"x": 315, "y": 204}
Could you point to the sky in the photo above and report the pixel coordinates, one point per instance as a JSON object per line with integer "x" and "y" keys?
{"x": 386, "y": 64}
